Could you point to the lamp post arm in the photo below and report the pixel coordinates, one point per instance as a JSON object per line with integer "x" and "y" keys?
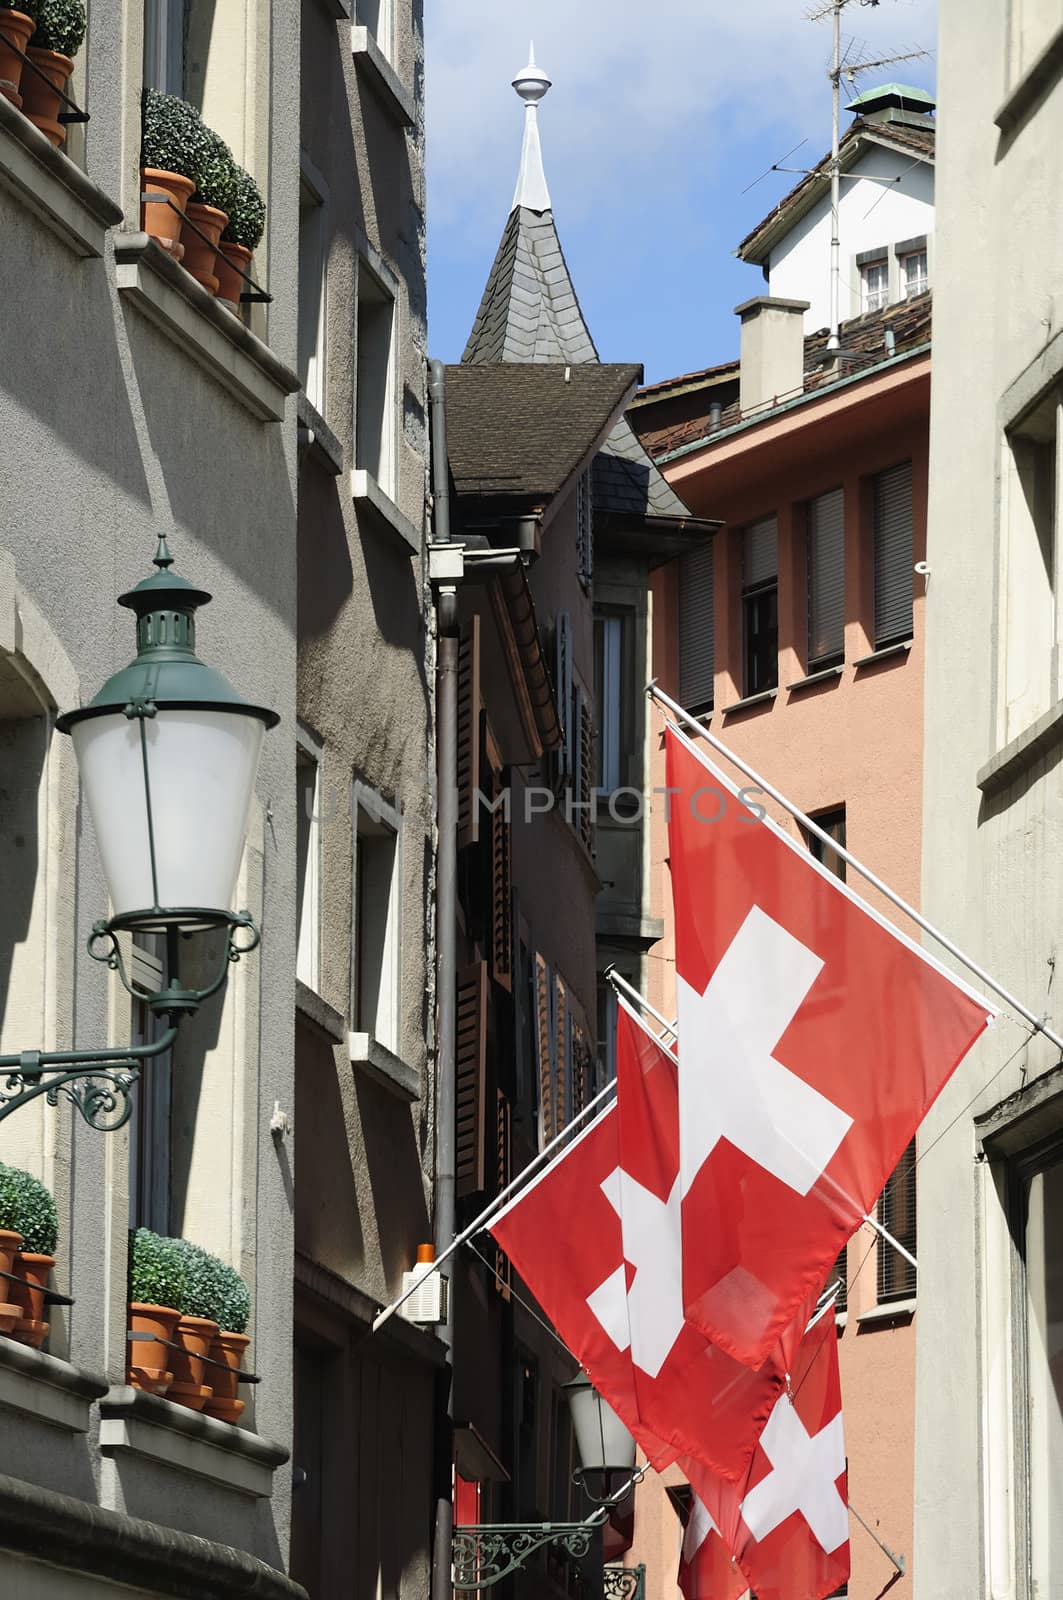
{"x": 28, "y": 1062}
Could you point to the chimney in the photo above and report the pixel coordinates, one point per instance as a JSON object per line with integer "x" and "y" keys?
{"x": 772, "y": 350}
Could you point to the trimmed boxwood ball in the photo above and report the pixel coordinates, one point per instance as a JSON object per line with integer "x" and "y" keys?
{"x": 174, "y": 137}
{"x": 27, "y": 1207}
{"x": 27, "y": 7}
{"x": 200, "y": 1292}
{"x": 247, "y": 221}
{"x": 217, "y": 177}
{"x": 235, "y": 1308}
{"x": 60, "y": 26}
{"x": 156, "y": 1269}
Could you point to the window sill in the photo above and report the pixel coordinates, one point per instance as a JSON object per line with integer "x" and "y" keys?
{"x": 317, "y": 1011}
{"x": 316, "y": 436}
{"x": 368, "y": 496}
{"x": 201, "y": 326}
{"x": 1021, "y": 753}
{"x": 889, "y": 652}
{"x": 889, "y": 1311}
{"x": 764, "y": 698}
{"x": 385, "y": 1068}
{"x": 52, "y": 187}
{"x": 370, "y": 59}
{"x": 154, "y": 1428}
{"x": 42, "y": 1387}
{"x": 822, "y": 675}
{"x": 1033, "y": 84}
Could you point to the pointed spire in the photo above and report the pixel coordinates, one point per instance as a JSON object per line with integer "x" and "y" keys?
{"x": 531, "y": 192}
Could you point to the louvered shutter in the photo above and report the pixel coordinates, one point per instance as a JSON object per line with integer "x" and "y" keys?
{"x": 896, "y": 1212}
{"x": 501, "y": 900}
{"x": 503, "y": 1176}
{"x": 585, "y": 528}
{"x": 563, "y": 692}
{"x": 468, "y": 733}
{"x": 826, "y": 579}
{"x": 562, "y": 1055}
{"x": 544, "y": 1051}
{"x": 585, "y": 815}
{"x": 893, "y": 554}
{"x": 760, "y": 553}
{"x": 840, "y": 1275}
{"x": 471, "y": 1079}
{"x": 697, "y": 638}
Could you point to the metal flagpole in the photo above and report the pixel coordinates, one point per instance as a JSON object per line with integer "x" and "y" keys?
{"x": 1038, "y": 1024}
{"x": 622, "y": 987}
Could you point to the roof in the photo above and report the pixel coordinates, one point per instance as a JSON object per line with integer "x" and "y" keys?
{"x": 900, "y": 94}
{"x": 864, "y": 346}
{"x": 517, "y": 431}
{"x": 702, "y": 377}
{"x": 626, "y": 482}
{"x": 905, "y": 137}
{"x": 529, "y": 310}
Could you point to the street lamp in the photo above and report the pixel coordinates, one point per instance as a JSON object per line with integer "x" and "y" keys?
{"x": 167, "y": 752}
{"x": 485, "y": 1553}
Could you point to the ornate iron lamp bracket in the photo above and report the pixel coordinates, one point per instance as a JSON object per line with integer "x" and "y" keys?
{"x": 624, "y": 1583}
{"x": 485, "y": 1553}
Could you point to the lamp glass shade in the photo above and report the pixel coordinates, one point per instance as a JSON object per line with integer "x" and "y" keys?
{"x": 201, "y": 767}
{"x": 603, "y": 1442}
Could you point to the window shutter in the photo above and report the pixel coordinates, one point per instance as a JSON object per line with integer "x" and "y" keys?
{"x": 503, "y": 1176}
{"x": 585, "y": 815}
{"x": 760, "y": 553}
{"x": 896, "y": 1212}
{"x": 471, "y": 1076}
{"x": 563, "y": 691}
{"x": 697, "y": 640}
{"x": 840, "y": 1274}
{"x": 501, "y": 898}
{"x": 826, "y": 579}
{"x": 562, "y": 1056}
{"x": 468, "y": 733}
{"x": 585, "y": 528}
{"x": 893, "y": 554}
{"x": 544, "y": 1051}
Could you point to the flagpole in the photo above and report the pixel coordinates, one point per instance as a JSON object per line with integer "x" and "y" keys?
{"x": 1038, "y": 1024}
{"x": 622, "y": 986}
{"x": 500, "y": 1199}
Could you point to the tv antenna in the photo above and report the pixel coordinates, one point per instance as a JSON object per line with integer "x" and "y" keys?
{"x": 844, "y": 66}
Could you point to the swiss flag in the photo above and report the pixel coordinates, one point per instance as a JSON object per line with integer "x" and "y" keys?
{"x": 707, "y": 1570}
{"x": 813, "y": 1038}
{"x": 788, "y": 1525}
{"x": 565, "y": 1235}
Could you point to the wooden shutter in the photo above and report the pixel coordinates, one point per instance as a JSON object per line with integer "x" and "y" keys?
{"x": 562, "y": 1056}
{"x": 544, "y": 1051}
{"x": 501, "y": 878}
{"x": 585, "y": 528}
{"x": 584, "y": 816}
{"x": 840, "y": 1273}
{"x": 896, "y": 1212}
{"x": 759, "y": 553}
{"x": 503, "y": 1176}
{"x": 563, "y": 692}
{"x": 470, "y": 705}
{"x": 893, "y": 554}
{"x": 471, "y": 1075}
{"x": 697, "y": 638}
{"x": 826, "y": 579}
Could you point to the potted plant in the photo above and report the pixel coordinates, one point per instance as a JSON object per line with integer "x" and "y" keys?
{"x": 174, "y": 146}
{"x": 230, "y": 1346}
{"x": 156, "y": 1272}
{"x": 27, "y": 1206}
{"x": 56, "y": 41}
{"x": 209, "y": 209}
{"x": 247, "y": 222}
{"x": 16, "y": 26}
{"x": 199, "y": 1300}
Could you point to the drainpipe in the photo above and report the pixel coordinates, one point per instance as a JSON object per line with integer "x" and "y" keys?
{"x": 446, "y": 969}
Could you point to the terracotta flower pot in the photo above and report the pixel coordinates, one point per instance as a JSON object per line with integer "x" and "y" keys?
{"x": 40, "y": 96}
{"x": 29, "y": 1296}
{"x": 161, "y": 222}
{"x": 234, "y": 259}
{"x": 230, "y": 1349}
{"x": 9, "y": 1315}
{"x": 194, "y": 1335}
{"x": 149, "y": 1362}
{"x": 200, "y": 257}
{"x": 16, "y": 26}
{"x": 10, "y": 1242}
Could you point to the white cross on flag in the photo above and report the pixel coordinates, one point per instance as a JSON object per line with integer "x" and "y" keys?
{"x": 788, "y": 1525}
{"x": 813, "y": 1039}
{"x": 597, "y": 1242}
{"x": 707, "y": 1571}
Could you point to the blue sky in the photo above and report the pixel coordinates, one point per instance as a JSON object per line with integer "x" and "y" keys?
{"x": 659, "y": 118}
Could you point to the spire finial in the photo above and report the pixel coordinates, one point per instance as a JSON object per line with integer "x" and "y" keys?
{"x": 162, "y": 558}
{"x": 531, "y": 85}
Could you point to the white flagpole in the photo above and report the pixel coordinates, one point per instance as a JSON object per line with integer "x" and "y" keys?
{"x": 621, "y": 985}
{"x": 1038, "y": 1024}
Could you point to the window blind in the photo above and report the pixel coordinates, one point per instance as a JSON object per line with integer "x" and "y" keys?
{"x": 893, "y": 554}
{"x": 826, "y": 579}
{"x": 896, "y": 1212}
{"x": 759, "y": 553}
{"x": 697, "y": 641}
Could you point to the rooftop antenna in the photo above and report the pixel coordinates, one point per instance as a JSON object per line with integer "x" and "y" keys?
{"x": 848, "y": 68}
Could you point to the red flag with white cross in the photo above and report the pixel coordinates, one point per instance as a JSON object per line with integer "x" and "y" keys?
{"x": 813, "y": 1039}
{"x": 788, "y": 1525}
{"x": 707, "y": 1570}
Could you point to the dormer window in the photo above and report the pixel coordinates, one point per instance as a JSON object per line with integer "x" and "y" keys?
{"x": 875, "y": 285}
{"x": 914, "y": 275}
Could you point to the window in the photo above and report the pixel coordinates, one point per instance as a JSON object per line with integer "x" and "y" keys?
{"x": 585, "y": 528}
{"x": 1040, "y": 1203}
{"x": 375, "y": 985}
{"x": 1029, "y": 509}
{"x": 874, "y": 285}
{"x": 832, "y": 823}
{"x": 164, "y": 46}
{"x": 892, "y": 495}
{"x": 914, "y": 274}
{"x": 609, "y": 697}
{"x": 308, "y": 859}
{"x": 312, "y": 257}
{"x": 374, "y": 444}
{"x": 896, "y": 1212}
{"x": 149, "y": 1138}
{"x": 376, "y": 15}
{"x": 697, "y": 656}
{"x": 825, "y": 544}
{"x": 760, "y": 607}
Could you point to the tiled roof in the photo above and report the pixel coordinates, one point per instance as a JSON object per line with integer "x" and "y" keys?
{"x": 864, "y": 345}
{"x": 529, "y": 310}
{"x": 702, "y": 375}
{"x": 517, "y": 431}
{"x": 626, "y": 482}
{"x": 902, "y": 136}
